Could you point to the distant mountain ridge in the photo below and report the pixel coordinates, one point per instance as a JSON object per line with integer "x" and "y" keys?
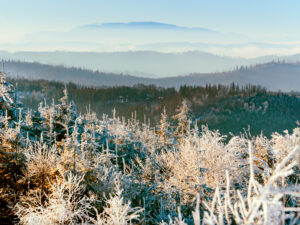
{"x": 142, "y": 63}
{"x": 142, "y": 25}
{"x": 274, "y": 76}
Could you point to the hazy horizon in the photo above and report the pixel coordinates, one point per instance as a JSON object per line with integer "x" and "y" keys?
{"x": 151, "y": 64}
{"x": 247, "y": 29}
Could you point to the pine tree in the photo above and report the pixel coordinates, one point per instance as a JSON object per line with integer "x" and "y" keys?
{"x": 183, "y": 127}
{"x": 163, "y": 129}
{"x": 66, "y": 114}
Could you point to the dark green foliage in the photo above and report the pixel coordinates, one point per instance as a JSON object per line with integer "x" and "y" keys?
{"x": 227, "y": 108}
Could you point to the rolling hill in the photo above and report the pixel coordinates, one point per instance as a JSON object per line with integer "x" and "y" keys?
{"x": 151, "y": 64}
{"x": 274, "y": 76}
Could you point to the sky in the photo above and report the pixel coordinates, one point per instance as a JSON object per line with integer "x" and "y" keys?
{"x": 274, "y": 20}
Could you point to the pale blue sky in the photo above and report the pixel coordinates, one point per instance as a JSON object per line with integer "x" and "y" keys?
{"x": 242, "y": 16}
{"x": 260, "y": 19}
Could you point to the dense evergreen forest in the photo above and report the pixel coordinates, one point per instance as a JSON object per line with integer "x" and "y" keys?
{"x": 229, "y": 108}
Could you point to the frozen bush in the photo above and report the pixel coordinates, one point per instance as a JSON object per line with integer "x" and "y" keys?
{"x": 64, "y": 205}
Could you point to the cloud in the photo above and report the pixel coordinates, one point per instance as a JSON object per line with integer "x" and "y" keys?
{"x": 252, "y": 51}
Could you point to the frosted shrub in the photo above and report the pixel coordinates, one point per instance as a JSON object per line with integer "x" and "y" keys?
{"x": 184, "y": 170}
{"x": 41, "y": 164}
{"x": 263, "y": 158}
{"x": 117, "y": 128}
{"x": 263, "y": 203}
{"x": 8, "y": 133}
{"x": 72, "y": 159}
{"x": 64, "y": 205}
{"x": 177, "y": 221}
{"x": 101, "y": 181}
{"x": 117, "y": 211}
{"x": 282, "y": 144}
{"x": 216, "y": 157}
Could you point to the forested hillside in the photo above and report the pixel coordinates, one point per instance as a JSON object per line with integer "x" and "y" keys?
{"x": 157, "y": 63}
{"x": 228, "y": 108}
{"x": 274, "y": 76}
{"x": 59, "y": 166}
{"x": 139, "y": 63}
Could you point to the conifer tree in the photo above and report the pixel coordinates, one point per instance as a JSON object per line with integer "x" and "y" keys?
{"x": 183, "y": 126}
{"x": 6, "y": 96}
{"x": 163, "y": 129}
{"x": 65, "y": 117}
